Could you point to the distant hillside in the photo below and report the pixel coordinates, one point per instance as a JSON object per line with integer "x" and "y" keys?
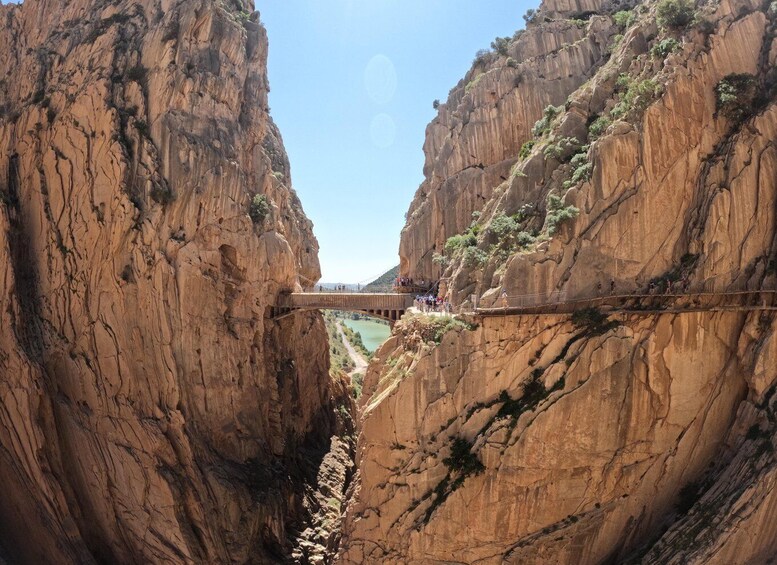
{"x": 383, "y": 283}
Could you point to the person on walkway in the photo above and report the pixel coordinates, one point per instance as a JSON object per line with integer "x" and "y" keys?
{"x": 612, "y": 286}
{"x": 504, "y": 298}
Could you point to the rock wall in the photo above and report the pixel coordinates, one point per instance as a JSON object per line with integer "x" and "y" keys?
{"x": 590, "y": 443}
{"x": 644, "y": 438}
{"x": 473, "y": 143}
{"x": 150, "y": 409}
{"x": 645, "y": 200}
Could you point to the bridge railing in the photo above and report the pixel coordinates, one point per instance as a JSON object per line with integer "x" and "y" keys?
{"x": 345, "y": 301}
{"x": 644, "y": 302}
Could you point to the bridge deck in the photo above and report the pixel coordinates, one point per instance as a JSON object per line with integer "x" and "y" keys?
{"x": 389, "y": 306}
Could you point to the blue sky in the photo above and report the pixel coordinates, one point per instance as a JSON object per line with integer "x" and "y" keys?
{"x": 352, "y": 84}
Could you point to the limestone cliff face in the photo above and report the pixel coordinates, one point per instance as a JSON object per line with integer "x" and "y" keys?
{"x": 151, "y": 412}
{"x": 658, "y": 172}
{"x": 475, "y": 140}
{"x": 645, "y": 439}
{"x": 583, "y": 446}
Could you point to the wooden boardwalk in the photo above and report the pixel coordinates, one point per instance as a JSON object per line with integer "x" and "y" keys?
{"x": 392, "y": 306}
{"x": 645, "y": 303}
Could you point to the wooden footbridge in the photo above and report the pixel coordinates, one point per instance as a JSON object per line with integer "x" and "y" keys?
{"x": 392, "y": 306}
{"x": 388, "y": 306}
{"x": 743, "y": 301}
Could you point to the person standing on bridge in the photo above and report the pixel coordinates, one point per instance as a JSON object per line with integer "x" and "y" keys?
{"x": 504, "y": 298}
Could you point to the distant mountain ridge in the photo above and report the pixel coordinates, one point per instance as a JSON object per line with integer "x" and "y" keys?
{"x": 383, "y": 283}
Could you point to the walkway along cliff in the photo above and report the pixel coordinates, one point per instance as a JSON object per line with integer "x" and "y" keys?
{"x": 151, "y": 410}
{"x": 611, "y": 147}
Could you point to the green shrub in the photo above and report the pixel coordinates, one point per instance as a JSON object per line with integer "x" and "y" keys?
{"x": 593, "y": 321}
{"x": 471, "y": 84}
{"x": 588, "y": 317}
{"x": 563, "y": 147}
{"x": 582, "y": 173}
{"x": 138, "y": 74}
{"x": 531, "y": 16}
{"x": 636, "y": 99}
{"x": 558, "y": 213}
{"x": 462, "y": 460}
{"x": 616, "y": 40}
{"x": 243, "y": 17}
{"x": 162, "y": 194}
{"x": 512, "y": 63}
{"x": 460, "y": 241}
{"x": 624, "y": 18}
{"x": 500, "y": 45}
{"x": 259, "y": 209}
{"x": 438, "y": 259}
{"x": 735, "y": 95}
{"x": 674, "y": 14}
{"x": 543, "y": 125}
{"x": 501, "y": 226}
{"x": 664, "y": 47}
{"x": 623, "y": 82}
{"x": 429, "y": 329}
{"x": 482, "y": 57}
{"x": 142, "y": 127}
{"x": 526, "y": 149}
{"x": 474, "y": 257}
{"x": 579, "y": 159}
{"x": 553, "y": 151}
{"x": 357, "y": 382}
{"x": 436, "y": 104}
{"x": 524, "y": 239}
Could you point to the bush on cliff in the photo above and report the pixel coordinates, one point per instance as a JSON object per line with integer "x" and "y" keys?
{"x": 500, "y": 45}
{"x": 462, "y": 460}
{"x": 543, "y": 125}
{"x": 625, "y": 18}
{"x": 259, "y": 209}
{"x": 664, "y": 47}
{"x": 674, "y": 14}
{"x": 558, "y": 213}
{"x": 736, "y": 94}
{"x": 421, "y": 328}
{"x": 474, "y": 257}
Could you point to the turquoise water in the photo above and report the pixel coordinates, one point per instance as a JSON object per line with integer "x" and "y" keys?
{"x": 373, "y": 333}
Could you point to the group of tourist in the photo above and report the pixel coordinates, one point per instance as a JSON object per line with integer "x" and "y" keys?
{"x": 669, "y": 287}
{"x": 429, "y": 303}
{"x": 409, "y": 282}
{"x": 338, "y": 288}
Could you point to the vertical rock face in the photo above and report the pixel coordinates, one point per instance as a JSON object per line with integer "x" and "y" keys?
{"x": 645, "y": 200}
{"x": 580, "y": 446}
{"x": 151, "y": 411}
{"x": 642, "y": 438}
{"x": 475, "y": 140}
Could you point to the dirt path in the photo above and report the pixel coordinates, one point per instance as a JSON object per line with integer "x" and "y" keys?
{"x": 359, "y": 362}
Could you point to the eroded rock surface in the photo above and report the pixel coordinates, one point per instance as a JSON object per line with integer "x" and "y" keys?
{"x": 645, "y": 438}
{"x": 151, "y": 412}
{"x": 615, "y": 425}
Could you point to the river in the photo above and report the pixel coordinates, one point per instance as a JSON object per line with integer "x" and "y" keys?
{"x": 373, "y": 333}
